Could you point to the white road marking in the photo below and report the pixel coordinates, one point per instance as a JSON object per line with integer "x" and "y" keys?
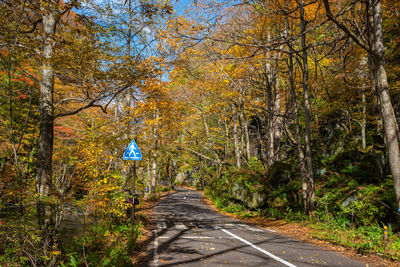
{"x": 187, "y": 193}
{"x": 197, "y": 237}
{"x": 161, "y": 225}
{"x": 180, "y": 226}
{"x": 260, "y": 249}
{"x": 251, "y": 228}
{"x": 155, "y": 248}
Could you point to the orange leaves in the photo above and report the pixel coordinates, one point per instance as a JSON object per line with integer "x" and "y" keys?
{"x": 63, "y": 132}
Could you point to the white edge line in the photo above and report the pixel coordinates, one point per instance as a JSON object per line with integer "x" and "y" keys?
{"x": 197, "y": 237}
{"x": 189, "y": 237}
{"x": 155, "y": 248}
{"x": 251, "y": 228}
{"x": 260, "y": 249}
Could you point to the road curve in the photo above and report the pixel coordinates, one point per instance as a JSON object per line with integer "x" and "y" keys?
{"x": 189, "y": 233}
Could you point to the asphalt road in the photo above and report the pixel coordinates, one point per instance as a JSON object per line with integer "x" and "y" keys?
{"x": 189, "y": 233}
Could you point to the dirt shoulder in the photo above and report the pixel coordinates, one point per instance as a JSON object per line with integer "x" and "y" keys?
{"x": 301, "y": 231}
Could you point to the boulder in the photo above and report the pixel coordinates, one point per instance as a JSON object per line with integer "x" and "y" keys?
{"x": 252, "y": 199}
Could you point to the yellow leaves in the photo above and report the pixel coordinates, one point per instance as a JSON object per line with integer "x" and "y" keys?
{"x": 107, "y": 233}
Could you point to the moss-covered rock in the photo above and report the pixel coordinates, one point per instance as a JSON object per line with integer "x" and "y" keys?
{"x": 252, "y": 199}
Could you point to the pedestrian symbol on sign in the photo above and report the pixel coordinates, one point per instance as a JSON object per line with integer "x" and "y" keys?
{"x": 132, "y": 152}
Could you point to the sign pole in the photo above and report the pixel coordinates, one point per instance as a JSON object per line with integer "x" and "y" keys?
{"x": 132, "y": 152}
{"x": 133, "y": 193}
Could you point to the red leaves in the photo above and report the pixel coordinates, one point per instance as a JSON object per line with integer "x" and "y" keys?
{"x": 63, "y": 132}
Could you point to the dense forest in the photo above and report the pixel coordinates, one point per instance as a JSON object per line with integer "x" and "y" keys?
{"x": 283, "y": 109}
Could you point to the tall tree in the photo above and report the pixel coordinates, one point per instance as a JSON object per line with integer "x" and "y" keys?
{"x": 375, "y": 47}
{"x": 310, "y": 191}
{"x": 45, "y": 152}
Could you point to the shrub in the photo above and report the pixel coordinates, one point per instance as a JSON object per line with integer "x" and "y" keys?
{"x": 105, "y": 245}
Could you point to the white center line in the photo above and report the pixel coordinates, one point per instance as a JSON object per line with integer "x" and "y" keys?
{"x": 155, "y": 248}
{"x": 186, "y": 194}
{"x": 260, "y": 249}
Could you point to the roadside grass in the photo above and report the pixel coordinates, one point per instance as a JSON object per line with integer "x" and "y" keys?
{"x": 163, "y": 188}
{"x": 364, "y": 239}
{"x": 104, "y": 245}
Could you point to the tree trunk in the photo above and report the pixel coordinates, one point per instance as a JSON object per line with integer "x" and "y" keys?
{"x": 148, "y": 183}
{"x": 271, "y": 141}
{"x": 389, "y": 118}
{"x": 300, "y": 150}
{"x": 270, "y": 108}
{"x": 306, "y": 106}
{"x": 236, "y": 141}
{"x": 153, "y": 174}
{"x": 45, "y": 151}
{"x": 154, "y": 163}
{"x": 226, "y": 145}
{"x": 363, "y": 122}
{"x": 242, "y": 142}
{"x": 246, "y": 135}
{"x": 277, "y": 122}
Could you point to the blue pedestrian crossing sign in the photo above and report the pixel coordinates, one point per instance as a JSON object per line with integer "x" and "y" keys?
{"x": 132, "y": 152}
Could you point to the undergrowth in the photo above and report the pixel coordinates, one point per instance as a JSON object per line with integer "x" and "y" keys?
{"x": 364, "y": 239}
{"x": 104, "y": 245}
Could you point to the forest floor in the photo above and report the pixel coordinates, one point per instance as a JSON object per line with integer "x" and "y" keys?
{"x": 303, "y": 231}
